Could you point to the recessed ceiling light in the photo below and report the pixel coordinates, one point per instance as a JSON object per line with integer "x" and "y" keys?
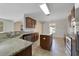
{"x": 45, "y": 9}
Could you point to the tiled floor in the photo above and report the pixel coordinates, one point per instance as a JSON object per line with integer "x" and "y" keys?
{"x": 58, "y": 49}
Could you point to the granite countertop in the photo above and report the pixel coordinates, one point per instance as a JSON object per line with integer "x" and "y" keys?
{"x": 13, "y": 45}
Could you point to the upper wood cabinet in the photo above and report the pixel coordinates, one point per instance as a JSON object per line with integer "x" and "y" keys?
{"x": 71, "y": 15}
{"x": 30, "y": 23}
{"x": 73, "y": 12}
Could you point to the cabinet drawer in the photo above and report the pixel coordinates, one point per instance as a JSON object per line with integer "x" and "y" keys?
{"x": 25, "y": 52}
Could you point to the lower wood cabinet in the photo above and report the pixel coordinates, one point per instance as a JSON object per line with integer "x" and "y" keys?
{"x": 35, "y": 37}
{"x": 25, "y": 52}
{"x": 46, "y": 42}
{"x": 31, "y": 37}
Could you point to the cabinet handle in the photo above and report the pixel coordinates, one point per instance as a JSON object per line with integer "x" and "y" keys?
{"x": 44, "y": 38}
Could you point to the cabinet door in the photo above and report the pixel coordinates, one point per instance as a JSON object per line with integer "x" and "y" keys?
{"x": 35, "y": 37}
{"x": 30, "y": 23}
{"x": 33, "y": 23}
{"x": 73, "y": 12}
{"x": 25, "y": 52}
{"x": 45, "y": 42}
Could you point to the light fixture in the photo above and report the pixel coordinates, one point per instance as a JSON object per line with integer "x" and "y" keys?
{"x": 45, "y": 9}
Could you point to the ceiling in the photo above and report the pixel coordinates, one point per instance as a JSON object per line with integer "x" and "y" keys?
{"x": 17, "y": 11}
{"x": 76, "y": 5}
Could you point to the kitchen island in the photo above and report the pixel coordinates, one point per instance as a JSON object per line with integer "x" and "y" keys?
{"x": 46, "y": 41}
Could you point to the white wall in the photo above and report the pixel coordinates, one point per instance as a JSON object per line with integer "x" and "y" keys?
{"x": 61, "y": 27}
{"x": 8, "y": 25}
{"x": 38, "y": 27}
{"x": 17, "y": 26}
{"x": 45, "y": 28}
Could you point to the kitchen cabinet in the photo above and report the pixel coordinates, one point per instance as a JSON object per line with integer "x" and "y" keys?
{"x": 25, "y": 52}
{"x": 35, "y": 37}
{"x": 73, "y": 26}
{"x": 77, "y": 31}
{"x": 30, "y": 23}
{"x": 45, "y": 42}
{"x": 31, "y": 37}
{"x": 71, "y": 32}
{"x": 73, "y": 12}
{"x": 71, "y": 16}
